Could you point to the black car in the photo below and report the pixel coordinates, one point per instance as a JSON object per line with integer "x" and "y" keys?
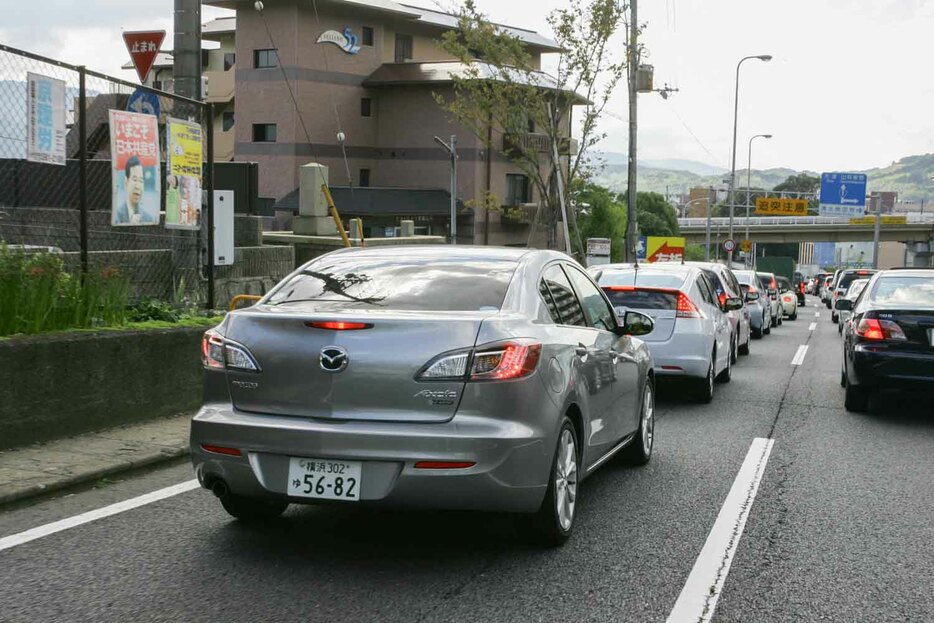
{"x": 888, "y": 343}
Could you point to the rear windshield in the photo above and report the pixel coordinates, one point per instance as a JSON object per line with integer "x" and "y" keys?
{"x": 655, "y": 279}
{"x": 744, "y": 278}
{"x": 765, "y": 281}
{"x": 849, "y": 278}
{"x": 348, "y": 281}
{"x": 904, "y": 290}
{"x": 856, "y": 287}
{"x": 643, "y": 299}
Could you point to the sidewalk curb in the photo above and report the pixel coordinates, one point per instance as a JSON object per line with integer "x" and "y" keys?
{"x": 147, "y": 459}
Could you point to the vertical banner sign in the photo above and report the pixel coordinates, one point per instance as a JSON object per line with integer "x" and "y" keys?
{"x": 134, "y": 157}
{"x": 183, "y": 180}
{"x": 46, "y": 106}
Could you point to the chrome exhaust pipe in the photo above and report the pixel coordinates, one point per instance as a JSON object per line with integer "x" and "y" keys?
{"x": 219, "y": 488}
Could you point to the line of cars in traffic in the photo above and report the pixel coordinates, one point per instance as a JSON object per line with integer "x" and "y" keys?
{"x": 705, "y": 314}
{"x": 464, "y": 378}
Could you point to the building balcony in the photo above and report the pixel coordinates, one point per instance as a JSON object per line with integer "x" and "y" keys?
{"x": 220, "y": 86}
{"x": 540, "y": 143}
{"x": 520, "y": 214}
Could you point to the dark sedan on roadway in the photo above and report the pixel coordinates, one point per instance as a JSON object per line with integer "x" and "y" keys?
{"x": 888, "y": 342}
{"x": 436, "y": 377}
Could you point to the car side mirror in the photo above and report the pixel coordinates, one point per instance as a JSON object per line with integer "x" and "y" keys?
{"x": 636, "y": 324}
{"x": 752, "y": 297}
{"x": 733, "y": 303}
{"x": 843, "y": 305}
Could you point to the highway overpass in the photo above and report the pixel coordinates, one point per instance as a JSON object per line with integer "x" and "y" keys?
{"x": 766, "y": 229}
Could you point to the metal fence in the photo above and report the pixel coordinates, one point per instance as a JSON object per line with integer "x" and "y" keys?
{"x": 67, "y": 209}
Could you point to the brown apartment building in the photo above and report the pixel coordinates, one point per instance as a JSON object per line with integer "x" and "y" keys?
{"x": 294, "y": 95}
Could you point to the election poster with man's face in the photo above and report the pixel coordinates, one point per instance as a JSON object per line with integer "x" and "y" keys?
{"x": 134, "y": 149}
{"x": 183, "y": 180}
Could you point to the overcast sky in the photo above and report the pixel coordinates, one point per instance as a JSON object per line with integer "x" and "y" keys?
{"x": 850, "y": 86}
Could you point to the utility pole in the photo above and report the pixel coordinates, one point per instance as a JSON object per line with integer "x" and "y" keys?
{"x": 186, "y": 68}
{"x": 451, "y": 148}
{"x": 633, "y": 61}
{"x": 877, "y": 232}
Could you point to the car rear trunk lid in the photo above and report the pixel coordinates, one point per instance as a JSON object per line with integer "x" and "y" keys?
{"x": 366, "y": 374}
{"x": 660, "y": 304}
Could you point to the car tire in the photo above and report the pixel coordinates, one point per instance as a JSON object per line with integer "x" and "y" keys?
{"x": 756, "y": 333}
{"x": 550, "y": 526}
{"x": 781, "y": 317}
{"x": 252, "y": 509}
{"x": 734, "y": 350}
{"x": 767, "y": 326}
{"x": 639, "y": 452}
{"x": 794, "y": 316}
{"x": 843, "y": 378}
{"x": 833, "y": 318}
{"x": 705, "y": 385}
{"x": 840, "y": 328}
{"x": 727, "y": 373}
{"x": 744, "y": 349}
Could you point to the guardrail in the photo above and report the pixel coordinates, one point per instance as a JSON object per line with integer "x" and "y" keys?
{"x": 912, "y": 219}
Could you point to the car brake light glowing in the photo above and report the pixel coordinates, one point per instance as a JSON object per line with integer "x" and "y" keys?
{"x": 619, "y": 288}
{"x": 878, "y": 330}
{"x": 686, "y": 308}
{"x": 337, "y": 325}
{"x": 444, "y": 464}
{"x": 221, "y": 450}
{"x": 722, "y": 299}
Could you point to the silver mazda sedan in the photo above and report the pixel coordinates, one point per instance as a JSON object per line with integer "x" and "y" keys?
{"x": 438, "y": 377}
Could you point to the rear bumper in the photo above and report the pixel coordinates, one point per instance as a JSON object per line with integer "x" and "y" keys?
{"x": 683, "y": 355}
{"x": 877, "y": 365}
{"x": 510, "y": 474}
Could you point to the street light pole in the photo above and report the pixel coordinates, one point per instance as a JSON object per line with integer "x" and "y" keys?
{"x": 451, "y": 148}
{"x": 765, "y": 58}
{"x": 749, "y": 183}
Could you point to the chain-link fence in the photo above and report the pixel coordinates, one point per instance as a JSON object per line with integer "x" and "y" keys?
{"x": 67, "y": 208}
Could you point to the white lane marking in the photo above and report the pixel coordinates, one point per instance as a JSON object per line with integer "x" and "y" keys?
{"x": 699, "y": 596}
{"x": 799, "y": 356}
{"x": 812, "y": 326}
{"x": 72, "y": 522}
{"x": 817, "y": 314}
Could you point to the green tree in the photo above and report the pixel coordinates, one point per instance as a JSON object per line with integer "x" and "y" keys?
{"x": 802, "y": 183}
{"x": 500, "y": 92}
{"x": 656, "y": 217}
{"x": 694, "y": 253}
{"x": 600, "y": 215}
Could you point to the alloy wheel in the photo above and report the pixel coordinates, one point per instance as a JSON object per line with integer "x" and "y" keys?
{"x": 566, "y": 479}
{"x": 648, "y": 419}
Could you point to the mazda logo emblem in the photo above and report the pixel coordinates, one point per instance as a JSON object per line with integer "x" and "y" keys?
{"x": 333, "y": 359}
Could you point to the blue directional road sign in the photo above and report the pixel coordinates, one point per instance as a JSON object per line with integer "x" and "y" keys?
{"x": 143, "y": 102}
{"x": 842, "y": 194}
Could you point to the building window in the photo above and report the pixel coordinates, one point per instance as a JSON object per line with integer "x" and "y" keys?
{"x": 366, "y": 107}
{"x": 227, "y": 121}
{"x": 230, "y": 59}
{"x": 367, "y": 35}
{"x": 517, "y": 190}
{"x": 264, "y": 59}
{"x": 403, "y": 48}
{"x": 364, "y": 178}
{"x": 264, "y": 132}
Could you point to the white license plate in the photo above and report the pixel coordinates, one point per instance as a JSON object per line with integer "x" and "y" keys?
{"x": 324, "y": 479}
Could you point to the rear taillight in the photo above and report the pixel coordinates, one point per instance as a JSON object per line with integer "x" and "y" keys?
{"x": 722, "y": 299}
{"x": 801, "y": 287}
{"x": 212, "y": 350}
{"x": 510, "y": 360}
{"x": 503, "y": 361}
{"x": 218, "y": 353}
{"x": 877, "y": 330}
{"x": 686, "y": 308}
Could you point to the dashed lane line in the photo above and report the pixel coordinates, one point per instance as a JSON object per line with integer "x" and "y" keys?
{"x": 812, "y": 326}
{"x": 800, "y": 355}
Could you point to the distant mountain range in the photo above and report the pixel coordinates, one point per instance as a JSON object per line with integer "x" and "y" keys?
{"x": 910, "y": 177}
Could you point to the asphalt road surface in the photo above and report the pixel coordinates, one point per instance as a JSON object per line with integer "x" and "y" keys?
{"x": 833, "y": 519}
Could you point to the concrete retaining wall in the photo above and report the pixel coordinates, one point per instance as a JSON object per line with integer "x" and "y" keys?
{"x": 53, "y": 386}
